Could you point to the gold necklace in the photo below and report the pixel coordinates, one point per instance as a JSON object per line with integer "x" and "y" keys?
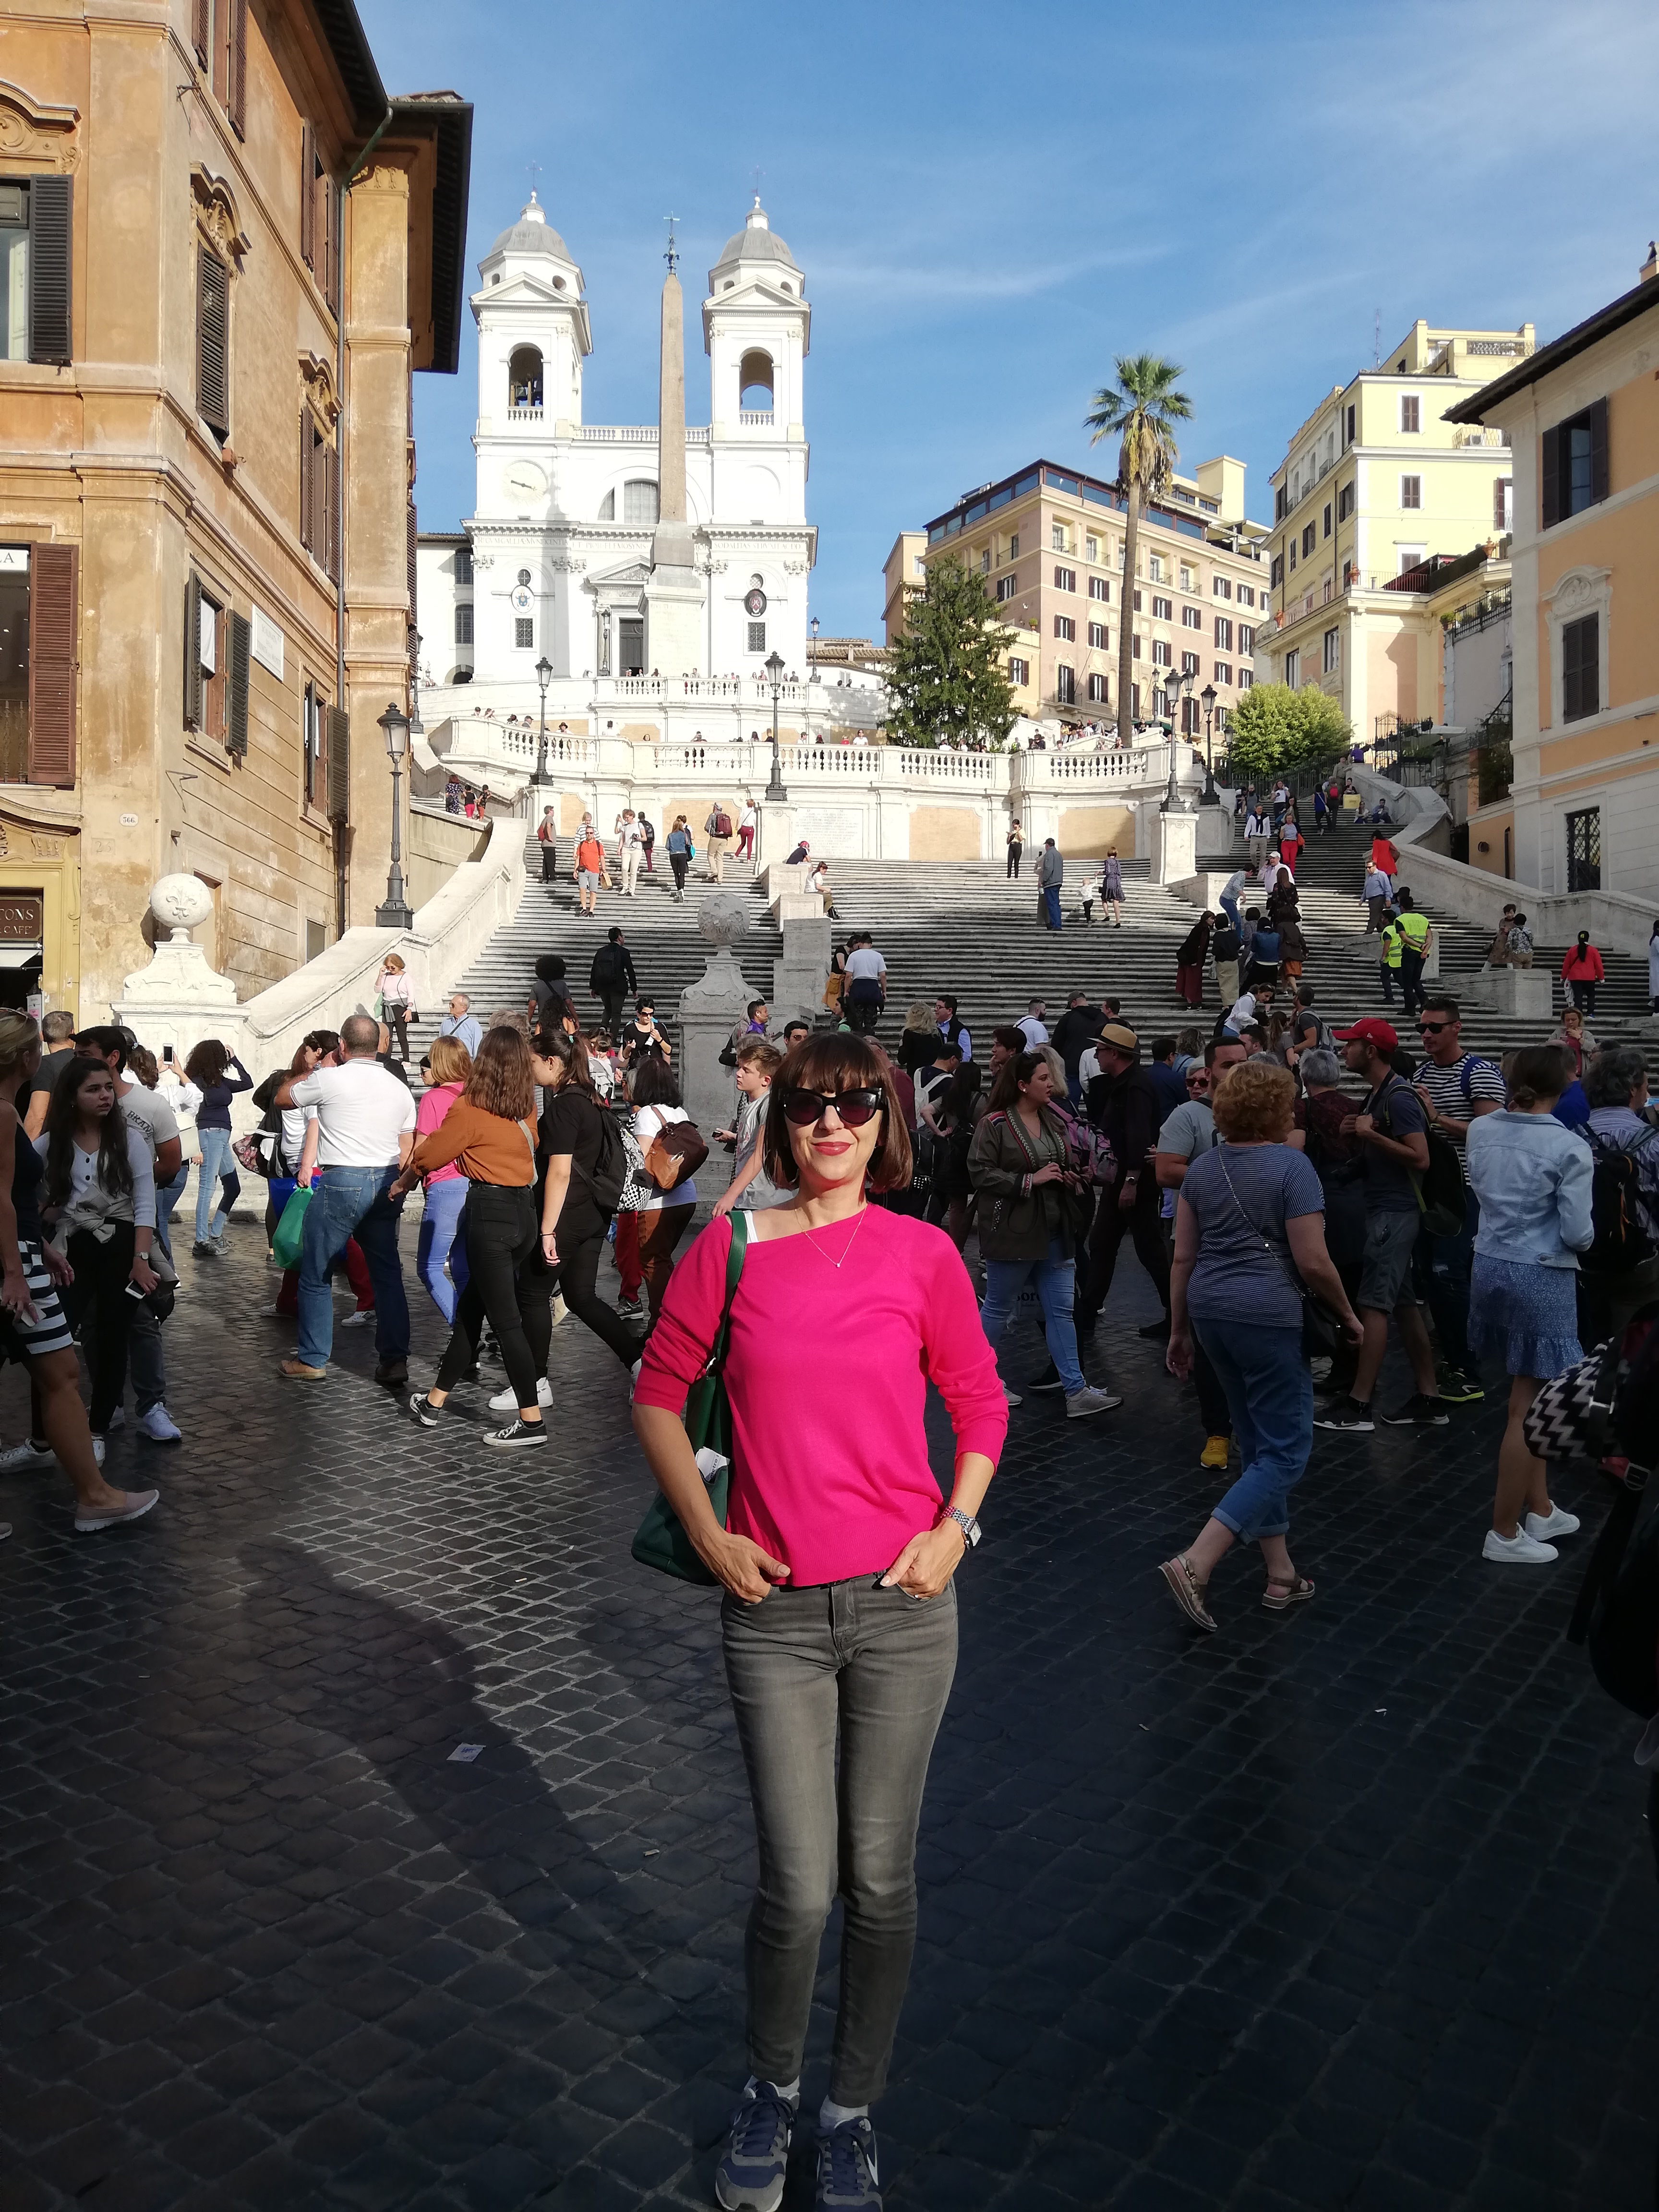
{"x": 837, "y": 1264}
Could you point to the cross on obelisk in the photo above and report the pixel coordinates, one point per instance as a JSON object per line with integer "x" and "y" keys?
{"x": 672, "y": 255}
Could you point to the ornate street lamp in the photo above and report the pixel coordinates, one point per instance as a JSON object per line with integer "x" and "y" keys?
{"x": 1207, "y": 699}
{"x": 774, "y": 666}
{"x": 417, "y": 726}
{"x": 396, "y": 912}
{"x": 812, "y": 674}
{"x": 1177, "y": 691}
{"x": 543, "y": 677}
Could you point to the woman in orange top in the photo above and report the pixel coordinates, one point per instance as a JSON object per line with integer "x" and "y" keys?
{"x": 490, "y": 1132}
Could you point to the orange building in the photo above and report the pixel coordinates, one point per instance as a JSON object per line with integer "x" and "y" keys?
{"x": 1581, "y": 416}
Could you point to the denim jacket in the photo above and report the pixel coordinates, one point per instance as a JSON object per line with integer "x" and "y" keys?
{"x": 1532, "y": 1180}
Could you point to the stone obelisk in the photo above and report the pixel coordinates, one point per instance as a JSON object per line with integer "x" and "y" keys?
{"x": 674, "y": 594}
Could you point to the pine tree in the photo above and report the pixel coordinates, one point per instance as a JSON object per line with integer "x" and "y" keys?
{"x": 944, "y": 671}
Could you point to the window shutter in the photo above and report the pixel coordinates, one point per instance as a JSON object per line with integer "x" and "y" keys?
{"x": 339, "y": 764}
{"x": 236, "y": 105}
{"x": 308, "y": 196}
{"x": 201, "y": 28}
{"x": 193, "y": 653}
{"x": 411, "y": 564}
{"x": 236, "y": 680}
{"x": 332, "y": 498}
{"x": 305, "y": 479}
{"x": 1550, "y": 473}
{"x": 52, "y": 638}
{"x": 332, "y": 244}
{"x": 50, "y": 205}
{"x": 1598, "y": 430}
{"x": 213, "y": 341}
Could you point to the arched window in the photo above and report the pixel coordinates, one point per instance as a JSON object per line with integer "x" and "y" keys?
{"x": 523, "y": 377}
{"x": 755, "y": 383}
{"x": 639, "y": 501}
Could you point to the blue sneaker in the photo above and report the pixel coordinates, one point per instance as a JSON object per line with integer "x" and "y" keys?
{"x": 749, "y": 2176}
{"x": 846, "y": 2167}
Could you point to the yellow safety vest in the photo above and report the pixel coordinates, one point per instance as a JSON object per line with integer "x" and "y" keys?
{"x": 1392, "y": 946}
{"x": 1414, "y": 929}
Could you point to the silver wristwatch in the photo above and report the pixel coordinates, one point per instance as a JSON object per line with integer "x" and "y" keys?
{"x": 966, "y": 1521}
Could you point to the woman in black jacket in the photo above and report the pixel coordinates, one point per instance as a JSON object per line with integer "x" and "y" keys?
{"x": 1194, "y": 950}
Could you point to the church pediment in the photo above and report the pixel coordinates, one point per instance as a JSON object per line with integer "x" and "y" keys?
{"x": 525, "y": 290}
{"x": 627, "y": 574}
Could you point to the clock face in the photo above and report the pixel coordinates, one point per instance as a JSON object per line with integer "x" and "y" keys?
{"x": 523, "y": 480}
{"x": 754, "y": 602}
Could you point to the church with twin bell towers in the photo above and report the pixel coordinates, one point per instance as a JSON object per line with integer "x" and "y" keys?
{"x": 610, "y": 551}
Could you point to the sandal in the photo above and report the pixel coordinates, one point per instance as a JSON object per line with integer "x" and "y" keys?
{"x": 1280, "y": 1595}
{"x": 1189, "y": 1593}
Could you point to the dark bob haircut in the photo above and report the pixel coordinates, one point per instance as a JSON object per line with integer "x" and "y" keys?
{"x": 829, "y": 1062}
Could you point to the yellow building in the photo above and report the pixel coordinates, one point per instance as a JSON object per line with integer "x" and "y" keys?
{"x": 226, "y": 251}
{"x": 1049, "y": 543}
{"x": 1386, "y": 517}
{"x": 904, "y": 578}
{"x": 1581, "y": 417}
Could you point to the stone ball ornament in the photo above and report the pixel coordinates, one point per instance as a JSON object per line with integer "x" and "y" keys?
{"x": 180, "y": 904}
{"x": 723, "y": 920}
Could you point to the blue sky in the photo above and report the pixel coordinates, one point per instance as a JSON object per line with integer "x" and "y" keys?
{"x": 991, "y": 201}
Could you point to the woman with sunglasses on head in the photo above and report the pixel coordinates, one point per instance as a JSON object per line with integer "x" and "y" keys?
{"x": 839, "y": 1612}
{"x": 1029, "y": 1212}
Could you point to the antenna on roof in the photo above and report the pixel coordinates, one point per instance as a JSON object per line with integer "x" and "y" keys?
{"x": 672, "y": 255}
{"x": 1377, "y": 340}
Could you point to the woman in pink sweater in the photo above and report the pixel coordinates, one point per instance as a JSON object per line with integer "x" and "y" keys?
{"x": 839, "y": 1611}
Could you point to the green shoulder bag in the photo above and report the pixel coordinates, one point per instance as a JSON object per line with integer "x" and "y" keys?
{"x": 661, "y": 1542}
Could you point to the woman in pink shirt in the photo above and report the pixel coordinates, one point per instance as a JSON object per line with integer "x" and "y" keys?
{"x": 837, "y": 1562}
{"x": 446, "y": 1187}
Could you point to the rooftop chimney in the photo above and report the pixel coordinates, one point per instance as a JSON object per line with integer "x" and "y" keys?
{"x": 1650, "y": 267}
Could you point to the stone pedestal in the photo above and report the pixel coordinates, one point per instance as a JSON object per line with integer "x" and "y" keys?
{"x": 1215, "y": 834}
{"x": 1528, "y": 991}
{"x": 773, "y": 842}
{"x": 178, "y": 1000}
{"x": 710, "y": 1009}
{"x": 798, "y": 978}
{"x": 1173, "y": 845}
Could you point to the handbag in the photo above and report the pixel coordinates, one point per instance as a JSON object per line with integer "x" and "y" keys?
{"x": 285, "y": 1244}
{"x": 1571, "y": 1417}
{"x": 1321, "y": 1332}
{"x": 660, "y": 1540}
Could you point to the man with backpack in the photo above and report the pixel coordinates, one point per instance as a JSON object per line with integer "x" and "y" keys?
{"x": 612, "y": 979}
{"x": 1392, "y": 1131}
{"x": 718, "y": 830}
{"x": 1619, "y": 1273}
{"x": 1455, "y": 1088}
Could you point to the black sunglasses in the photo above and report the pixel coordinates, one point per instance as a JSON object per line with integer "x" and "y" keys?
{"x": 805, "y": 1108}
{"x": 1431, "y": 1029}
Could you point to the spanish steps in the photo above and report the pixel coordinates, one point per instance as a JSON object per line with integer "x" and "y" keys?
{"x": 964, "y": 928}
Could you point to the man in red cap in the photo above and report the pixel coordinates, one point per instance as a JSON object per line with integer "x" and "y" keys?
{"x": 1392, "y": 1130}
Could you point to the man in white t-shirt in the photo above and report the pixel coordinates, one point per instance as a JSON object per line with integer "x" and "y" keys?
{"x": 867, "y": 986}
{"x": 1033, "y": 1027}
{"x": 365, "y": 1134}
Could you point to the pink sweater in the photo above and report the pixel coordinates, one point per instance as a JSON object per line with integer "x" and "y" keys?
{"x": 435, "y": 1103}
{"x": 827, "y": 1373}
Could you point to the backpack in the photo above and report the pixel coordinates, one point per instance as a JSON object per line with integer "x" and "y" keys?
{"x": 722, "y": 823}
{"x": 612, "y": 1178}
{"x": 1440, "y": 1198}
{"x": 674, "y": 1155}
{"x": 1616, "y": 1616}
{"x": 1622, "y": 1239}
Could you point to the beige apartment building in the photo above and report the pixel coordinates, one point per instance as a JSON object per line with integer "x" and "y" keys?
{"x": 1389, "y": 520}
{"x": 226, "y": 252}
{"x": 905, "y": 574}
{"x": 1050, "y": 544}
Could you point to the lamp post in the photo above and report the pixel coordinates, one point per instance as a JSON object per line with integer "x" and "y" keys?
{"x": 1178, "y": 691}
{"x": 544, "y": 677}
{"x": 396, "y": 912}
{"x": 811, "y": 675}
{"x": 417, "y": 726}
{"x": 775, "y": 790}
{"x": 1207, "y": 699}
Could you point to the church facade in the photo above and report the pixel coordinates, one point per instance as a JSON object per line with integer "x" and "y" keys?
{"x": 610, "y": 552}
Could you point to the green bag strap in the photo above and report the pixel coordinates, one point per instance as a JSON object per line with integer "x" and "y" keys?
{"x": 739, "y": 1220}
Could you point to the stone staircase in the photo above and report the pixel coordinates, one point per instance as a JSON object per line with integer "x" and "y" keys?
{"x": 961, "y": 927}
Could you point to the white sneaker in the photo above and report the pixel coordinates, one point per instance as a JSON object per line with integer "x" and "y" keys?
{"x": 1082, "y": 1403}
{"x": 362, "y": 1319}
{"x": 98, "y": 1449}
{"x": 158, "y": 1426}
{"x": 559, "y": 1310}
{"x": 118, "y": 1419}
{"x": 506, "y": 1401}
{"x": 1013, "y": 1397}
{"x": 1555, "y": 1522}
{"x": 1521, "y": 1549}
{"x": 19, "y": 1457}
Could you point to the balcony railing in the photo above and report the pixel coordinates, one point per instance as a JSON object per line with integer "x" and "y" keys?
{"x": 755, "y": 418}
{"x": 524, "y": 414}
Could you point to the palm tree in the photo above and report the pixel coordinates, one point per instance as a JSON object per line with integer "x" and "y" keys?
{"x": 1142, "y": 410}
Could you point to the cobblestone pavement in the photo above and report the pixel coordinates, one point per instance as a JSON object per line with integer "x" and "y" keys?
{"x": 1352, "y": 1907}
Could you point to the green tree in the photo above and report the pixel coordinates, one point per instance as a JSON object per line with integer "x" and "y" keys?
{"x": 944, "y": 672}
{"x": 1273, "y": 727}
{"x": 1141, "y": 409}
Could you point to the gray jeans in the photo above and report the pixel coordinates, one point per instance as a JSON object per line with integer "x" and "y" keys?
{"x": 880, "y": 1664}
